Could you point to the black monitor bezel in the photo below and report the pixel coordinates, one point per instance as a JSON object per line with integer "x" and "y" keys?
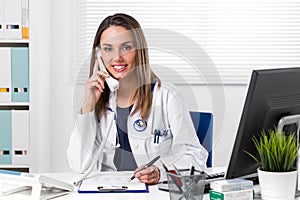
{"x": 236, "y": 160}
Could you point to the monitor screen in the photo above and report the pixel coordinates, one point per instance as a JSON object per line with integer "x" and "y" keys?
{"x": 272, "y": 94}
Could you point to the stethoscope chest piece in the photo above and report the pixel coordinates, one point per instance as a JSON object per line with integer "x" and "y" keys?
{"x": 139, "y": 125}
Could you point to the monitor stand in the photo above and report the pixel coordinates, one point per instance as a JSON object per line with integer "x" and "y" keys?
{"x": 294, "y": 122}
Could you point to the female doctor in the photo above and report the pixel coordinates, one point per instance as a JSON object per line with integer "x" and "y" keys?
{"x": 144, "y": 118}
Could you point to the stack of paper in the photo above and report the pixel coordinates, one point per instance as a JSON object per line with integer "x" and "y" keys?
{"x": 231, "y": 189}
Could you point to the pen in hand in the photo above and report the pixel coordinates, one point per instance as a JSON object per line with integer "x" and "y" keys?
{"x": 146, "y": 166}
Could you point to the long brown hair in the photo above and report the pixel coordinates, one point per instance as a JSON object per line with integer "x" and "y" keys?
{"x": 145, "y": 76}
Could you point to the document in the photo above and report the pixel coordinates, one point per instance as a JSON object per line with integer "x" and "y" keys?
{"x": 20, "y": 74}
{"x": 112, "y": 181}
{"x": 13, "y": 19}
{"x": 20, "y": 137}
{"x": 5, "y": 74}
{"x": 5, "y": 135}
{"x": 1, "y": 19}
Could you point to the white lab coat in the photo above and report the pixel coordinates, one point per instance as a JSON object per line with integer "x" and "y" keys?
{"x": 178, "y": 145}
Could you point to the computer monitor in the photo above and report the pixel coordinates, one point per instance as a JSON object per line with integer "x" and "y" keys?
{"x": 272, "y": 94}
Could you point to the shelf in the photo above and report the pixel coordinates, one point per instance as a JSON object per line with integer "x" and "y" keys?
{"x": 15, "y": 97}
{"x": 14, "y": 41}
{"x": 13, "y": 167}
{"x": 14, "y": 106}
{"x": 14, "y": 103}
{"x": 14, "y": 44}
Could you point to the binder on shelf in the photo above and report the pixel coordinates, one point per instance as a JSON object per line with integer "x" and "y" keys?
{"x": 20, "y": 74}
{"x": 12, "y": 19}
{"x": 20, "y": 137}
{"x": 5, "y": 74}
{"x": 1, "y": 19}
{"x": 5, "y": 135}
{"x": 25, "y": 19}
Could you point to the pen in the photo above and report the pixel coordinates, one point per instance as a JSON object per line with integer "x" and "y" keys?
{"x": 176, "y": 180}
{"x": 192, "y": 170}
{"x": 176, "y": 170}
{"x": 146, "y": 166}
{"x": 164, "y": 166}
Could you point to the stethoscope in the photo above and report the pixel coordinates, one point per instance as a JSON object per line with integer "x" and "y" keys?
{"x": 140, "y": 125}
{"x": 117, "y": 145}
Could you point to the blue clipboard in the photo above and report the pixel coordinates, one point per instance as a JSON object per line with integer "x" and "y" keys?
{"x": 112, "y": 182}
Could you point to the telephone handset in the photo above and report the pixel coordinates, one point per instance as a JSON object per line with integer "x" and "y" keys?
{"x": 112, "y": 83}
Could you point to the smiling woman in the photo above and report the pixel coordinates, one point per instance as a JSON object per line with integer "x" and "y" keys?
{"x": 118, "y": 50}
{"x": 123, "y": 123}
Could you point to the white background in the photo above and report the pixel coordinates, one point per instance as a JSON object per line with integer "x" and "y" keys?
{"x": 52, "y": 89}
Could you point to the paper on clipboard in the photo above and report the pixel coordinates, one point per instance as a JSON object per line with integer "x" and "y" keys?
{"x": 117, "y": 181}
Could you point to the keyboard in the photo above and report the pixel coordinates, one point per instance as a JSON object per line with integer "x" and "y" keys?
{"x": 212, "y": 177}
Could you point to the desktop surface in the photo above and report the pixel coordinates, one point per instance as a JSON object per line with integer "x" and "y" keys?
{"x": 154, "y": 192}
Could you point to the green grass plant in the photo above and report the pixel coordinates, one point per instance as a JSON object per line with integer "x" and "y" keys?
{"x": 277, "y": 152}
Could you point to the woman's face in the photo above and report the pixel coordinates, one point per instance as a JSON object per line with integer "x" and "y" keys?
{"x": 118, "y": 50}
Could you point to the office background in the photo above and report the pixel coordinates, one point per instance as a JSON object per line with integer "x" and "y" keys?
{"x": 53, "y": 81}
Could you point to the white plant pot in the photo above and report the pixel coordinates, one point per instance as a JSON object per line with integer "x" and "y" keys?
{"x": 277, "y": 185}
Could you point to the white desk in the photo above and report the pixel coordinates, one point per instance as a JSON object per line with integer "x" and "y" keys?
{"x": 154, "y": 193}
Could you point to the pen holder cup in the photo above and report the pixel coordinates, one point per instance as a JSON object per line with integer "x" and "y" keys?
{"x": 185, "y": 186}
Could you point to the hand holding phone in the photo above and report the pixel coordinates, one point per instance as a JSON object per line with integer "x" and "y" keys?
{"x": 112, "y": 83}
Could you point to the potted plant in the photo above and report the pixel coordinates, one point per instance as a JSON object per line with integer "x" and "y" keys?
{"x": 277, "y": 158}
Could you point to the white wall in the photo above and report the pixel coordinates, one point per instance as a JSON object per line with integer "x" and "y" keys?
{"x": 52, "y": 92}
{"x": 51, "y": 87}
{"x": 40, "y": 85}
{"x": 61, "y": 83}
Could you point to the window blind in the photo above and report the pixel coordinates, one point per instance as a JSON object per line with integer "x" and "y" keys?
{"x": 200, "y": 41}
